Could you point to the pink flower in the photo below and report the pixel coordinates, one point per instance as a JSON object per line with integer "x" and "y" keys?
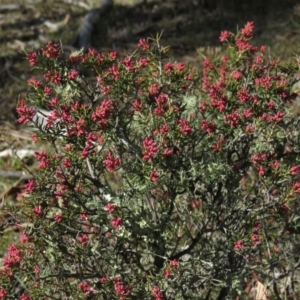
{"x": 258, "y": 60}
{"x": 36, "y": 269}
{"x": 243, "y": 45}
{"x": 83, "y": 216}
{"x": 34, "y": 138}
{"x": 143, "y": 62}
{"x": 164, "y": 129}
{"x": 85, "y": 153}
{"x": 157, "y": 293}
{"x": 243, "y": 95}
{"x": 57, "y": 217}
{"x": 30, "y": 185}
{"x": 92, "y": 53}
{"x": 184, "y": 126}
{"x": 250, "y": 128}
{"x": 3, "y": 294}
{"x": 121, "y": 289}
{"x": 25, "y": 112}
{"x": 23, "y": 237}
{"x": 173, "y": 263}
{"x": 168, "y": 67}
{"x": 162, "y": 99}
{"x": 53, "y": 76}
{"x": 73, "y": 74}
{"x": 218, "y": 146}
{"x": 167, "y": 152}
{"x": 110, "y": 208}
{"x": 85, "y": 287}
{"x": 103, "y": 279}
{"x": 103, "y": 112}
{"x": 207, "y": 126}
{"x": 34, "y": 83}
{"x": 78, "y": 128}
{"x": 256, "y": 226}
{"x": 52, "y": 118}
{"x": 25, "y": 297}
{"x": 258, "y": 157}
{"x": 83, "y": 239}
{"x": 224, "y": 36}
{"x": 111, "y": 163}
{"x": 275, "y": 164}
{"x": 297, "y": 187}
{"x": 219, "y": 103}
{"x": 154, "y": 89}
{"x": 74, "y": 59}
{"x": 167, "y": 273}
{"x": 277, "y": 117}
{"x": 207, "y": 64}
{"x": 238, "y": 245}
{"x": 51, "y": 50}
{"x": 154, "y": 176}
{"x": 37, "y": 210}
{"x": 270, "y": 105}
{"x": 116, "y": 222}
{"x": 47, "y": 91}
{"x": 179, "y": 67}
{"x": 264, "y": 82}
{"x": 232, "y": 119}
{"x": 13, "y": 257}
{"x": 150, "y": 149}
{"x": 263, "y": 49}
{"x": 114, "y": 72}
{"x": 137, "y": 105}
{"x": 105, "y": 89}
{"x": 247, "y": 113}
{"x": 202, "y": 107}
{"x": 236, "y": 74}
{"x": 143, "y": 44}
{"x": 53, "y": 101}
{"x": 255, "y": 239}
{"x": 128, "y": 63}
{"x": 113, "y": 55}
{"x": 189, "y": 77}
{"x": 295, "y": 170}
{"x": 261, "y": 170}
{"x": 66, "y": 163}
{"x": 247, "y": 31}
{"x": 44, "y": 161}
{"x": 32, "y": 57}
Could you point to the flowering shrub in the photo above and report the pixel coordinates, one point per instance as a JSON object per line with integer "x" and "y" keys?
{"x": 159, "y": 182}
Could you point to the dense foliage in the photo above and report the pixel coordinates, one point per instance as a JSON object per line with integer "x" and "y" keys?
{"x": 158, "y": 182}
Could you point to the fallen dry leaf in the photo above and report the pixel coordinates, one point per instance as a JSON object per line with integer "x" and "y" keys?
{"x": 261, "y": 292}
